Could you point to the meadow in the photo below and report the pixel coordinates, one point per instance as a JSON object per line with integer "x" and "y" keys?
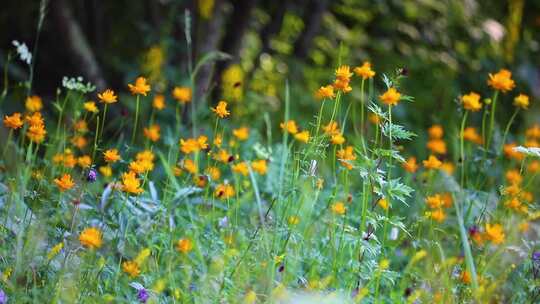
{"x": 149, "y": 194}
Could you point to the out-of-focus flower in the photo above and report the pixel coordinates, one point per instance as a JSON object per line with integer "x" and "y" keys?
{"x": 141, "y": 87}
{"x": 91, "y": 238}
{"x": 182, "y": 94}
{"x": 14, "y": 121}
{"x": 501, "y": 81}
{"x": 364, "y": 70}
{"x": 521, "y": 101}
{"x": 64, "y": 183}
{"x": 184, "y": 245}
{"x": 471, "y": 102}
{"x": 33, "y": 103}
{"x": 391, "y": 97}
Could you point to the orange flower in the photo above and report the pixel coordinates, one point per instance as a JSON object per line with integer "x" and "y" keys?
{"x": 391, "y": 97}
{"x": 14, "y": 121}
{"x": 470, "y": 134}
{"x": 436, "y": 132}
{"x": 331, "y": 128}
{"x": 432, "y": 162}
{"x": 383, "y": 203}
{"x": 192, "y": 145}
{"x": 107, "y": 97}
{"x": 289, "y": 126}
{"x": 364, "y": 71}
{"x": 241, "y": 133}
{"x": 182, "y": 94}
{"x": 84, "y": 161}
{"x": 434, "y": 201}
{"x": 131, "y": 268}
{"x": 64, "y": 183}
{"x": 140, "y": 87}
{"x": 152, "y": 133}
{"x": 158, "y": 102}
{"x": 259, "y": 166}
{"x": 221, "y": 109}
{"x": 111, "y": 156}
{"x": 438, "y": 215}
{"x": 240, "y": 168}
{"x": 224, "y": 191}
{"x": 410, "y": 165}
{"x": 184, "y": 245}
{"x": 510, "y": 152}
{"x": 338, "y": 208}
{"x": 325, "y": 92}
{"x": 345, "y": 156}
{"x": 130, "y": 183}
{"x": 337, "y": 139}
{"x": 36, "y": 133}
{"x": 471, "y": 102}
{"x": 494, "y": 233}
{"x": 501, "y": 81}
{"x": 437, "y": 146}
{"x": 91, "y": 238}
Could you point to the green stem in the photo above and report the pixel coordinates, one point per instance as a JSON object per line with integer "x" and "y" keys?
{"x": 492, "y": 118}
{"x": 510, "y": 122}
{"x": 461, "y": 148}
{"x": 136, "y": 120}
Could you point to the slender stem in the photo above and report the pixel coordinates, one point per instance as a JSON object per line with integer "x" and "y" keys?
{"x": 95, "y": 140}
{"x": 136, "y": 120}
{"x": 461, "y": 148}
{"x": 10, "y": 134}
{"x": 319, "y": 117}
{"x": 510, "y": 122}
{"x": 103, "y": 122}
{"x": 492, "y": 118}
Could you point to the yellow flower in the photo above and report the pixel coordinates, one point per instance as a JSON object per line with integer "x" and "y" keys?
{"x": 383, "y": 203}
{"x": 436, "y": 132}
{"x": 221, "y": 109}
{"x": 432, "y": 162}
{"x": 471, "y": 102}
{"x": 14, "y": 121}
{"x": 91, "y": 238}
{"x": 35, "y": 119}
{"x": 259, "y": 166}
{"x": 364, "y": 70}
{"x": 190, "y": 166}
{"x": 223, "y": 156}
{"x": 182, "y": 94}
{"x": 158, "y": 102}
{"x": 342, "y": 85}
{"x": 241, "y": 133}
{"x": 302, "y": 136}
{"x": 64, "y": 183}
{"x": 107, "y": 97}
{"x": 224, "y": 191}
{"x": 410, "y": 165}
{"x": 289, "y": 126}
{"x": 140, "y": 87}
{"x": 130, "y": 183}
{"x": 184, "y": 245}
{"x": 384, "y": 264}
{"x": 521, "y": 101}
{"x": 84, "y": 161}
{"x": 438, "y": 215}
{"x": 325, "y": 92}
{"x": 55, "y": 250}
{"x": 391, "y": 97}
{"x": 152, "y": 132}
{"x": 374, "y": 118}
{"x": 345, "y": 156}
{"x": 131, "y": 268}
{"x": 337, "y": 139}
{"x": 214, "y": 173}
{"x": 250, "y": 297}
{"x": 105, "y": 171}
{"x": 90, "y": 106}
{"x": 240, "y": 168}
{"x": 494, "y": 233}
{"x": 338, "y": 208}
{"x": 501, "y": 81}
{"x": 33, "y": 103}
{"x": 36, "y": 133}
{"x": 111, "y": 156}
{"x": 142, "y": 256}
{"x": 293, "y": 220}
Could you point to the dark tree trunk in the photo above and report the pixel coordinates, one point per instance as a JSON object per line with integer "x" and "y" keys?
{"x": 81, "y": 54}
{"x": 313, "y": 16}
{"x": 209, "y": 34}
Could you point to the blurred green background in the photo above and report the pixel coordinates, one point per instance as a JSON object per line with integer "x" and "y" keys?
{"x": 447, "y": 48}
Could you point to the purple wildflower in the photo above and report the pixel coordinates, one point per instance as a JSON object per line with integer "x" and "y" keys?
{"x": 92, "y": 176}
{"x": 3, "y": 297}
{"x": 142, "y": 295}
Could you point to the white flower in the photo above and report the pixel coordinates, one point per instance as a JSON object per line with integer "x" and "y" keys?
{"x": 76, "y": 84}
{"x": 22, "y": 50}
